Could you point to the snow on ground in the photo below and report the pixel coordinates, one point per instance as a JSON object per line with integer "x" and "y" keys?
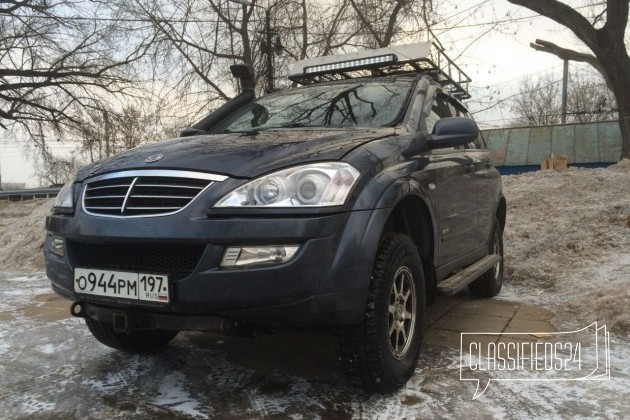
{"x": 22, "y": 235}
{"x": 567, "y": 243}
{"x": 286, "y": 375}
{"x": 567, "y": 246}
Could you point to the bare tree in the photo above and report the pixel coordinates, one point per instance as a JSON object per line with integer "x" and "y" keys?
{"x": 52, "y": 170}
{"x": 70, "y": 66}
{"x": 604, "y": 35}
{"x": 199, "y": 40}
{"x": 589, "y": 99}
{"x": 104, "y": 132}
{"x": 53, "y": 60}
{"x": 381, "y": 22}
{"x": 539, "y": 101}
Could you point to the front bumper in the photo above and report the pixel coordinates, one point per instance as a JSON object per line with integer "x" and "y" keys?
{"x": 324, "y": 284}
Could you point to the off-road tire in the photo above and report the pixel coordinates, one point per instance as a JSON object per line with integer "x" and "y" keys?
{"x": 134, "y": 341}
{"x": 489, "y": 284}
{"x": 366, "y": 351}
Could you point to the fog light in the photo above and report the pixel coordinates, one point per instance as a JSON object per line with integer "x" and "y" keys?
{"x": 237, "y": 256}
{"x": 56, "y": 245}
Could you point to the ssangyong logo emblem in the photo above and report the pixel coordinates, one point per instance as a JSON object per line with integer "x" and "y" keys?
{"x": 154, "y": 158}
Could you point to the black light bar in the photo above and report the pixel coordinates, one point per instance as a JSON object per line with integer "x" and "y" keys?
{"x": 352, "y": 64}
{"x": 395, "y": 59}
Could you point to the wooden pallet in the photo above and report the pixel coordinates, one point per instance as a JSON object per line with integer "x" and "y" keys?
{"x": 554, "y": 162}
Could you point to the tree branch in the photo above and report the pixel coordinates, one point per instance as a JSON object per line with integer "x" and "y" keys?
{"x": 366, "y": 23}
{"x": 565, "y": 16}
{"x": 565, "y": 53}
{"x": 391, "y": 24}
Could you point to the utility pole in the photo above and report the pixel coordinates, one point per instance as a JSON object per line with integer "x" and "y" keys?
{"x": 107, "y": 128}
{"x": 565, "y": 83}
{"x": 269, "y": 51}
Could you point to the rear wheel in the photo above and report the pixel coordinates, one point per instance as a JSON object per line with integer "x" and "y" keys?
{"x": 133, "y": 341}
{"x": 489, "y": 284}
{"x": 381, "y": 354}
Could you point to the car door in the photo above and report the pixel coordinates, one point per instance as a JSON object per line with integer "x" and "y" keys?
{"x": 487, "y": 178}
{"x": 455, "y": 187}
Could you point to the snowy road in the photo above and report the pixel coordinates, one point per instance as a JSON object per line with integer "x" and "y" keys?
{"x": 50, "y": 367}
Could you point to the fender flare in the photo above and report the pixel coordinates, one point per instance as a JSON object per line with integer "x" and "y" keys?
{"x": 391, "y": 197}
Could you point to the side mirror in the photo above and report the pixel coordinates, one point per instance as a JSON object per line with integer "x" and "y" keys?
{"x": 452, "y": 132}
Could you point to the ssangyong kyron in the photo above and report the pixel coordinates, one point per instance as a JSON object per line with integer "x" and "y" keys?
{"x": 347, "y": 202}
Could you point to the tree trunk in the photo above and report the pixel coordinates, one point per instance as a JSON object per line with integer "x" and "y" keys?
{"x": 624, "y": 125}
{"x": 616, "y": 66}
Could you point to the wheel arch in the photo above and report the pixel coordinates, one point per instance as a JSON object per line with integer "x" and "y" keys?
{"x": 410, "y": 212}
{"x": 412, "y": 217}
{"x": 501, "y": 212}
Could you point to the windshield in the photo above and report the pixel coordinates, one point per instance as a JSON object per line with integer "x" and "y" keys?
{"x": 367, "y": 104}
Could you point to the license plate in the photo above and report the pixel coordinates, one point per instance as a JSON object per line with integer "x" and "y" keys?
{"x": 121, "y": 284}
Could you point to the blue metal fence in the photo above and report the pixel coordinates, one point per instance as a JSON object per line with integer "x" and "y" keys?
{"x": 597, "y": 143}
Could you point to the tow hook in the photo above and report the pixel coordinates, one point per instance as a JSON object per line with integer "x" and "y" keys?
{"x": 77, "y": 309}
{"x": 121, "y": 323}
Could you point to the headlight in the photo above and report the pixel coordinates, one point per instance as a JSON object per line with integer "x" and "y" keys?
{"x": 64, "y": 203}
{"x": 313, "y": 185}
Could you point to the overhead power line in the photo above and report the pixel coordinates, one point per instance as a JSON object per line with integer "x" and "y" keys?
{"x": 500, "y": 101}
{"x": 133, "y": 20}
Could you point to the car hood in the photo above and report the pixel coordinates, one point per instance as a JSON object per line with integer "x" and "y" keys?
{"x": 240, "y": 155}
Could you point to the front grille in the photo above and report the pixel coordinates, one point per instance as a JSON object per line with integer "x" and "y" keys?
{"x": 144, "y": 193}
{"x": 175, "y": 260}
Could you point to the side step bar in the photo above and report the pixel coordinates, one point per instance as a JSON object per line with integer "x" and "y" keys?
{"x": 463, "y": 278}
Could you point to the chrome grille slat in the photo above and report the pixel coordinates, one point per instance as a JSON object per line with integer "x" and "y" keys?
{"x": 176, "y": 197}
{"x": 144, "y": 193}
{"x": 150, "y": 208}
{"x": 169, "y": 186}
{"x": 111, "y": 186}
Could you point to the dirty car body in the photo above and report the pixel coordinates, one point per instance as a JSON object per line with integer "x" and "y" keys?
{"x": 274, "y": 210}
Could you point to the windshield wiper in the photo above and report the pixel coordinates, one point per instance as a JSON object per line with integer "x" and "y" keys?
{"x": 246, "y": 132}
{"x": 294, "y": 125}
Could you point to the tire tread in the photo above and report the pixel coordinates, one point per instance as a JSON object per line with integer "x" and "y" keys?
{"x": 358, "y": 345}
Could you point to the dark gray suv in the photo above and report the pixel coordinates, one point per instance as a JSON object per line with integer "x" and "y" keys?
{"x": 346, "y": 203}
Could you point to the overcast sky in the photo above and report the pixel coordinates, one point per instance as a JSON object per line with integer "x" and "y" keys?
{"x": 496, "y": 61}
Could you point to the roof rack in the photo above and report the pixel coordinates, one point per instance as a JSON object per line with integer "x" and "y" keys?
{"x": 421, "y": 57}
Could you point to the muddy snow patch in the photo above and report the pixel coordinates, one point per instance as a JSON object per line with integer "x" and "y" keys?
{"x": 567, "y": 237}
{"x": 4, "y": 342}
{"x": 172, "y": 394}
{"x": 22, "y": 235}
{"x": 47, "y": 348}
{"x": 32, "y": 405}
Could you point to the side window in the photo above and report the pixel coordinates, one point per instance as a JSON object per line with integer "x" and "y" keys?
{"x": 438, "y": 109}
{"x": 460, "y": 111}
